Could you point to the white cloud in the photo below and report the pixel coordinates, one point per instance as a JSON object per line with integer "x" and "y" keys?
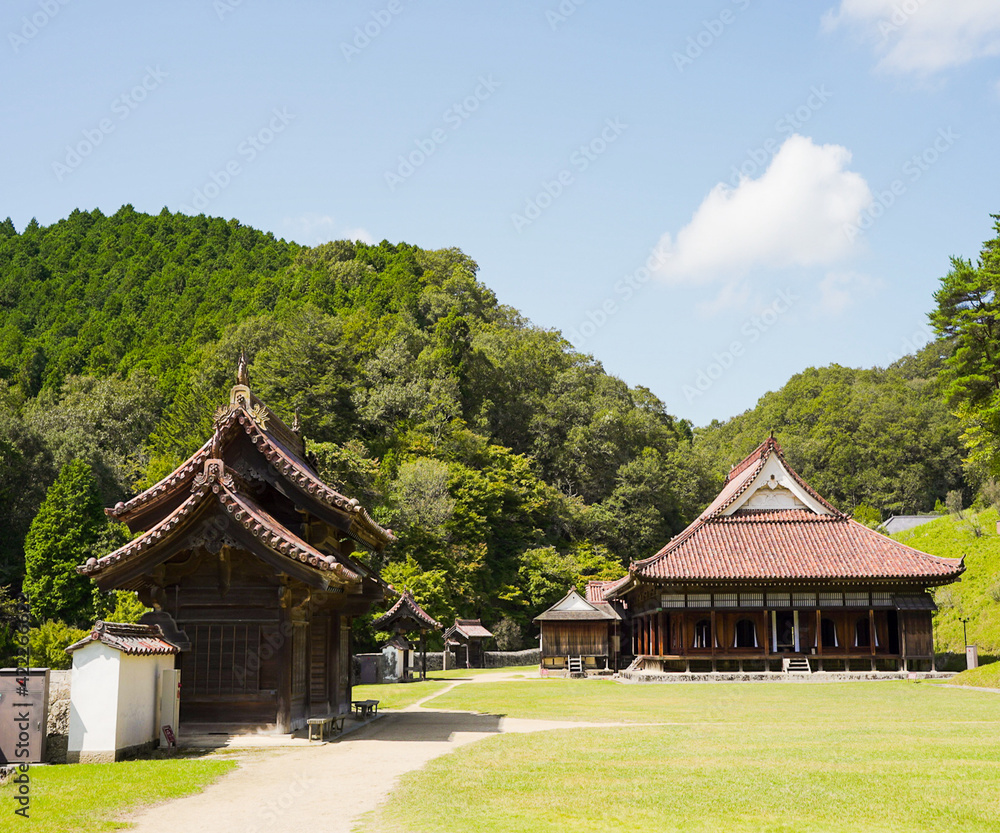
{"x": 923, "y": 36}
{"x": 314, "y": 229}
{"x": 839, "y": 290}
{"x": 794, "y": 214}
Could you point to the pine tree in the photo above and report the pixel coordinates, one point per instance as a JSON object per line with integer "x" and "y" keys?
{"x": 65, "y": 533}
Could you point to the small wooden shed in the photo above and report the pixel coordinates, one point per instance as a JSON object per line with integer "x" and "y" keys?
{"x": 465, "y": 638}
{"x": 578, "y": 635}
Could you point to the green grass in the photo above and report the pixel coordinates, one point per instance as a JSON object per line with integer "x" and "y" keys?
{"x": 401, "y": 695}
{"x": 973, "y": 595}
{"x": 92, "y": 797}
{"x": 985, "y": 676}
{"x": 397, "y": 695}
{"x": 880, "y": 756}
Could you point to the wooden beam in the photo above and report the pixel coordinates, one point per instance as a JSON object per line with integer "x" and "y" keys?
{"x": 819, "y": 632}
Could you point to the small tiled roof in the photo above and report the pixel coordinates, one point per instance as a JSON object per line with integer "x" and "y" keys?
{"x": 783, "y": 544}
{"x": 469, "y": 628}
{"x": 135, "y": 640}
{"x": 406, "y": 608}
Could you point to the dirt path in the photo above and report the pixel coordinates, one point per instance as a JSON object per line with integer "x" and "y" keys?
{"x": 327, "y": 787}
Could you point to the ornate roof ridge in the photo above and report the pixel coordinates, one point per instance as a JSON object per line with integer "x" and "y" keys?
{"x": 244, "y": 510}
{"x": 286, "y": 464}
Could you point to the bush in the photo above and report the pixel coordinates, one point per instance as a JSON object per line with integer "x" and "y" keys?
{"x": 48, "y": 644}
{"x": 509, "y": 635}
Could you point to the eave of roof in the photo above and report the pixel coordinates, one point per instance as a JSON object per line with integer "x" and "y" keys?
{"x": 134, "y": 640}
{"x": 407, "y": 607}
{"x": 254, "y": 520}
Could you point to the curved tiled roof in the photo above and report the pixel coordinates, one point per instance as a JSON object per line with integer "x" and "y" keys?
{"x": 135, "y": 640}
{"x": 252, "y": 418}
{"x": 244, "y": 511}
{"x": 407, "y": 607}
{"x": 784, "y": 544}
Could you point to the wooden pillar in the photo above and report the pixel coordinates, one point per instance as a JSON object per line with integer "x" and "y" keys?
{"x": 871, "y": 629}
{"x": 423, "y": 655}
{"x": 283, "y": 714}
{"x": 713, "y": 637}
{"x": 766, "y": 640}
{"x": 819, "y": 632}
{"x": 795, "y": 627}
{"x": 659, "y": 624}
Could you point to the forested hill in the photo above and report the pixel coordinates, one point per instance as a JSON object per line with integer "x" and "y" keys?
{"x": 510, "y": 464}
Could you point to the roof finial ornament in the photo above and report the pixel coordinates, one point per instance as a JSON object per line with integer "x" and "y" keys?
{"x": 297, "y": 422}
{"x": 772, "y": 433}
{"x": 242, "y": 373}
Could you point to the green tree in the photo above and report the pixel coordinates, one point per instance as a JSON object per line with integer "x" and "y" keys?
{"x": 968, "y": 314}
{"x": 66, "y": 532}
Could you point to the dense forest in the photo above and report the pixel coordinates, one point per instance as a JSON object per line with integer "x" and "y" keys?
{"x": 509, "y": 464}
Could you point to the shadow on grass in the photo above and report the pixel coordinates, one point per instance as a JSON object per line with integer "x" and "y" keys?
{"x": 429, "y": 726}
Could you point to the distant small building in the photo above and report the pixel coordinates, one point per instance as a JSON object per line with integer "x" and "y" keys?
{"x": 579, "y": 635}
{"x": 901, "y": 523}
{"x": 403, "y": 618}
{"x": 465, "y": 639}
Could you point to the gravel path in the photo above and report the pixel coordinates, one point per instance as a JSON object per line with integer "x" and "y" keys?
{"x": 327, "y": 787}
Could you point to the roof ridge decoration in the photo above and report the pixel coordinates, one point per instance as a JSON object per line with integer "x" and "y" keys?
{"x": 405, "y": 606}
{"x": 134, "y": 639}
{"x": 218, "y": 482}
{"x": 272, "y": 438}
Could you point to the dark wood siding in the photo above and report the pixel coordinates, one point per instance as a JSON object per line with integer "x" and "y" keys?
{"x": 561, "y": 639}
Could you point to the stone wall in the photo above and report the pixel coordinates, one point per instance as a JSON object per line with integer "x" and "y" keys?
{"x": 502, "y": 659}
{"x": 57, "y": 730}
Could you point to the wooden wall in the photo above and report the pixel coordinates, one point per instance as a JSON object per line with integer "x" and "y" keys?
{"x": 561, "y": 639}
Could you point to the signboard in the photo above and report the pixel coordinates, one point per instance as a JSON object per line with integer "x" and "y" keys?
{"x": 24, "y": 708}
{"x": 168, "y": 733}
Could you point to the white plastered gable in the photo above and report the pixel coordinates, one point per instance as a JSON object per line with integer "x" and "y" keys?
{"x": 574, "y": 601}
{"x": 775, "y": 488}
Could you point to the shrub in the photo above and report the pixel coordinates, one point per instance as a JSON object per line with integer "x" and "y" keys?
{"x": 48, "y": 644}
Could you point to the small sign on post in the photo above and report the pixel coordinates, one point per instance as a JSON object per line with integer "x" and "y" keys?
{"x": 168, "y": 733}
{"x": 971, "y": 656}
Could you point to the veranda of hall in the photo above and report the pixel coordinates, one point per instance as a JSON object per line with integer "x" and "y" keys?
{"x": 756, "y": 632}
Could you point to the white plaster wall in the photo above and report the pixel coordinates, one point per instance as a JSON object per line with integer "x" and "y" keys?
{"x": 137, "y": 699}
{"x": 93, "y": 699}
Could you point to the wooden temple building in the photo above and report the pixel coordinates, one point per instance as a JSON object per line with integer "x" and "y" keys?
{"x": 249, "y": 562}
{"x": 403, "y": 618}
{"x": 772, "y": 577}
{"x": 465, "y": 640}
{"x": 580, "y": 635}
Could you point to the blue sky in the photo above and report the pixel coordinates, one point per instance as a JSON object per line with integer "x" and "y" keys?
{"x": 708, "y": 197}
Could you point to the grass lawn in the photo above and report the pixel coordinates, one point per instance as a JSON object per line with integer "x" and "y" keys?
{"x": 91, "y": 797}
{"x": 879, "y": 756}
{"x": 985, "y": 676}
{"x": 401, "y": 695}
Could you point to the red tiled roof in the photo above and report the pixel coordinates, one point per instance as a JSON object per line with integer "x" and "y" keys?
{"x": 469, "y": 628}
{"x": 790, "y": 545}
{"x": 407, "y": 607}
{"x": 783, "y": 544}
{"x": 136, "y": 640}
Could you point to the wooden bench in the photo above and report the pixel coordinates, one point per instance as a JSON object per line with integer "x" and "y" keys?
{"x": 326, "y": 722}
{"x": 366, "y": 708}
